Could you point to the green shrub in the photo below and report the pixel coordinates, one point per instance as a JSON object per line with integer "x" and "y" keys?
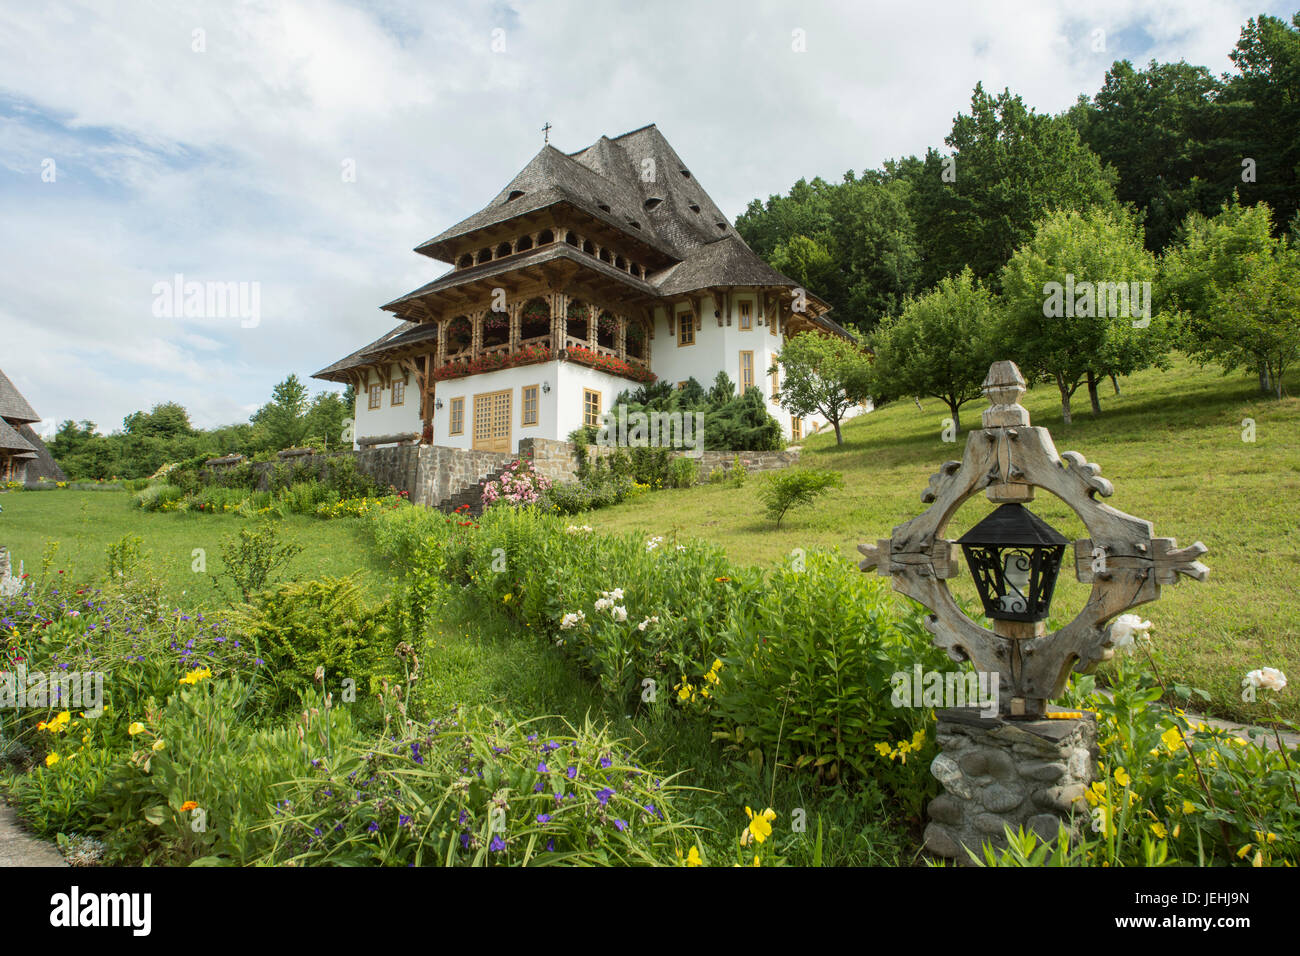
{"x": 794, "y": 488}
{"x": 683, "y": 472}
{"x": 253, "y": 556}
{"x": 154, "y": 497}
{"x": 806, "y": 675}
{"x": 299, "y": 626}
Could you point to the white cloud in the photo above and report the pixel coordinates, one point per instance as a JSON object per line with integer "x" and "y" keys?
{"x": 226, "y": 165}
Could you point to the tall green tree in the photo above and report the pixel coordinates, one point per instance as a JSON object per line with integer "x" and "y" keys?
{"x": 283, "y": 418}
{"x": 1160, "y": 129}
{"x": 941, "y": 345}
{"x": 823, "y": 373}
{"x": 1077, "y": 303}
{"x": 1214, "y": 254}
{"x": 1009, "y": 167}
{"x": 1262, "y": 108}
{"x": 1255, "y": 322}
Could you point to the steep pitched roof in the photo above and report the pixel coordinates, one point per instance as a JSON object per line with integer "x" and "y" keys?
{"x": 42, "y": 464}
{"x": 12, "y": 405}
{"x": 635, "y": 182}
{"x": 358, "y": 358}
{"x": 11, "y": 441}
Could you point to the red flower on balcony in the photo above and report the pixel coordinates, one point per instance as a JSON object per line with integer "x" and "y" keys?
{"x": 607, "y": 363}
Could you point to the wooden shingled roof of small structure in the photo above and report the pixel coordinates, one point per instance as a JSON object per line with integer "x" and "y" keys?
{"x": 13, "y": 407}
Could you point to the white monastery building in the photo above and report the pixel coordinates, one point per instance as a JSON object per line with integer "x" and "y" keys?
{"x": 590, "y": 274}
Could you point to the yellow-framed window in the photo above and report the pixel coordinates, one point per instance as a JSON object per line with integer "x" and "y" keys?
{"x": 746, "y": 371}
{"x": 686, "y": 329}
{"x": 456, "y": 423}
{"x": 590, "y": 407}
{"x": 375, "y": 395}
{"x": 776, "y": 382}
{"x": 796, "y": 427}
{"x": 746, "y": 316}
{"x": 528, "y": 407}
{"x": 399, "y": 393}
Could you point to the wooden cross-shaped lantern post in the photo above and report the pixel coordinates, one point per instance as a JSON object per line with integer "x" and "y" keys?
{"x": 1126, "y": 566}
{"x": 1008, "y": 459}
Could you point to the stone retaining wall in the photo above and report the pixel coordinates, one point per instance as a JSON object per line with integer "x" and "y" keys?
{"x": 433, "y": 474}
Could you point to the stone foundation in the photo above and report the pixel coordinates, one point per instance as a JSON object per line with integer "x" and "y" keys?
{"x": 1017, "y": 773}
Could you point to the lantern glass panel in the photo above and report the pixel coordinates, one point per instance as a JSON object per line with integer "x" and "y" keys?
{"x": 1014, "y": 557}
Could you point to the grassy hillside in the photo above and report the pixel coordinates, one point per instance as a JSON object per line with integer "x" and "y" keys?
{"x": 1172, "y": 445}
{"x": 85, "y": 523}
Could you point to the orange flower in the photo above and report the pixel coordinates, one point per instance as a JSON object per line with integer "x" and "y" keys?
{"x": 188, "y": 805}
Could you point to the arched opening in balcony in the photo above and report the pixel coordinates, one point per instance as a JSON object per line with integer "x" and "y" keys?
{"x": 534, "y": 321}
{"x": 571, "y": 238}
{"x": 589, "y": 247}
{"x": 459, "y": 336}
{"x": 496, "y": 329}
{"x": 578, "y": 316}
{"x": 503, "y": 250}
{"x": 484, "y": 255}
{"x": 545, "y": 236}
{"x": 465, "y": 261}
{"x": 606, "y": 330}
{"x": 636, "y": 340}
{"x": 524, "y": 244}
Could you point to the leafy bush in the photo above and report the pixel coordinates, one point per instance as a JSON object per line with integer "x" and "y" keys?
{"x": 805, "y": 677}
{"x": 326, "y": 623}
{"x": 683, "y": 472}
{"x": 155, "y": 497}
{"x": 794, "y": 488}
{"x": 254, "y": 555}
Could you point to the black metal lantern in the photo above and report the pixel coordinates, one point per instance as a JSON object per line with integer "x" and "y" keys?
{"x": 1014, "y": 556}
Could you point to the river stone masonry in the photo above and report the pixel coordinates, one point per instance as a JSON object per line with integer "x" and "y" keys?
{"x": 998, "y": 772}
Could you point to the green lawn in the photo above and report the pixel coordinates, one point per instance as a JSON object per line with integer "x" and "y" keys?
{"x": 1172, "y": 446}
{"x": 85, "y": 523}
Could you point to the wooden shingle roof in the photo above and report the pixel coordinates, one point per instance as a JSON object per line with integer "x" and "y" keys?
{"x": 11, "y": 441}
{"x": 12, "y": 404}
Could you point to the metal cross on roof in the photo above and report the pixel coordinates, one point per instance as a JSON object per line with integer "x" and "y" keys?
{"x": 546, "y": 134}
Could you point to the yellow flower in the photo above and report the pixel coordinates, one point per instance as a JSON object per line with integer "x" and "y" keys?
{"x": 1159, "y": 830}
{"x": 194, "y": 676}
{"x": 692, "y": 858}
{"x": 135, "y": 728}
{"x": 760, "y": 824}
{"x": 883, "y": 749}
{"x": 506, "y": 599}
{"x": 51, "y": 760}
{"x": 1121, "y": 777}
{"x": 1189, "y": 807}
{"x": 756, "y": 861}
{"x": 918, "y": 738}
{"x": 159, "y": 745}
{"x": 1241, "y": 854}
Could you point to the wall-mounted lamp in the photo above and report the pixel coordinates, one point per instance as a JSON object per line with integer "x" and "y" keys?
{"x": 437, "y": 403}
{"x": 546, "y": 387}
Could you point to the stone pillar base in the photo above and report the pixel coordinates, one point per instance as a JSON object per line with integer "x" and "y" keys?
{"x": 1018, "y": 773}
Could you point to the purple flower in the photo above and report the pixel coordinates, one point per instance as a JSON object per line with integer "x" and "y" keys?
{"x": 497, "y": 844}
{"x": 464, "y": 841}
{"x": 550, "y": 845}
{"x": 571, "y": 772}
{"x": 605, "y": 761}
{"x": 542, "y": 768}
{"x": 621, "y": 824}
{"x": 604, "y": 795}
{"x": 373, "y": 826}
{"x": 403, "y": 819}
{"x": 543, "y": 818}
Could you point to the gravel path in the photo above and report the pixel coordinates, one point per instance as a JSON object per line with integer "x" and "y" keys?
{"x": 19, "y": 848}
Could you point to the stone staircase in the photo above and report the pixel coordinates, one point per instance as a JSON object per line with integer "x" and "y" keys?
{"x": 472, "y": 494}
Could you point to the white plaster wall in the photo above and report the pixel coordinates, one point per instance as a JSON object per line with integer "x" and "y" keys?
{"x": 387, "y": 419}
{"x": 718, "y": 349}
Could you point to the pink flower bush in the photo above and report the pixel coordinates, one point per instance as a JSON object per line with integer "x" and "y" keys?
{"x": 518, "y": 485}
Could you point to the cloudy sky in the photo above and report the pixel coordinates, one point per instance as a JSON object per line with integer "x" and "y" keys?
{"x": 140, "y": 141}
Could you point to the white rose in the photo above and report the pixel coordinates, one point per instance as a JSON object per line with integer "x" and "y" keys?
{"x": 1126, "y": 629}
{"x": 620, "y": 613}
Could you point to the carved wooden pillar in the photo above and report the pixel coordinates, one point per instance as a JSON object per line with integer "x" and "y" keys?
{"x": 514, "y": 310}
{"x": 441, "y": 355}
{"x": 620, "y": 337}
{"x": 476, "y": 333}
{"x": 593, "y": 327}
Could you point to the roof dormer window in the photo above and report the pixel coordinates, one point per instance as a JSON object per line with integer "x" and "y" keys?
{"x": 695, "y": 207}
{"x": 514, "y": 194}
{"x": 652, "y": 202}
{"x": 604, "y": 207}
